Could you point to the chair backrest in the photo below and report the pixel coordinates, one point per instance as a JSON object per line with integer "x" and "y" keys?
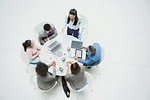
{"x": 38, "y": 29}
{"x": 34, "y": 84}
{"x": 23, "y": 56}
{"x": 85, "y": 26}
{"x": 102, "y": 54}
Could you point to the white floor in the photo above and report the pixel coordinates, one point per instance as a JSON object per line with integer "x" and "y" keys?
{"x": 122, "y": 27}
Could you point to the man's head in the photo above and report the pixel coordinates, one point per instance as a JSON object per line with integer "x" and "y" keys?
{"x": 41, "y": 69}
{"x": 47, "y": 27}
{"x": 75, "y": 68}
{"x": 91, "y": 49}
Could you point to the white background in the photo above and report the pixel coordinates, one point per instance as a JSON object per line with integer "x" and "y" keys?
{"x": 122, "y": 27}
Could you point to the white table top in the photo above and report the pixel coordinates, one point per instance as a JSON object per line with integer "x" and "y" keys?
{"x": 47, "y": 57}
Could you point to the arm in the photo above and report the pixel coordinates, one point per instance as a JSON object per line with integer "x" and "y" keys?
{"x": 55, "y": 32}
{"x": 31, "y": 56}
{"x": 86, "y": 62}
{"x": 69, "y": 65}
{"x": 40, "y": 39}
{"x": 53, "y": 64}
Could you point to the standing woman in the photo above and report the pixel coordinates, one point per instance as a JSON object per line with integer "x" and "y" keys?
{"x": 73, "y": 23}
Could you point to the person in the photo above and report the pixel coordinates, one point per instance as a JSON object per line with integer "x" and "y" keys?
{"x": 32, "y": 51}
{"x": 45, "y": 79}
{"x": 93, "y": 55}
{"x": 74, "y": 23}
{"x": 75, "y": 75}
{"x": 48, "y": 33}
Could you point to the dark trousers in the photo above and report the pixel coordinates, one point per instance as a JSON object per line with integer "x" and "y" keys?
{"x": 73, "y": 32}
{"x": 65, "y": 87}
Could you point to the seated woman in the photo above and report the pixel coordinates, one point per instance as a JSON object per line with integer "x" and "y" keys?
{"x": 32, "y": 51}
{"x": 49, "y": 32}
{"x": 45, "y": 79}
{"x": 74, "y": 24}
{"x": 76, "y": 77}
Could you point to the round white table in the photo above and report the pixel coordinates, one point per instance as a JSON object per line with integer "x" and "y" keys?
{"x": 47, "y": 57}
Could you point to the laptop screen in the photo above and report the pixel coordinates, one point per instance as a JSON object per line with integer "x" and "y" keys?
{"x": 76, "y": 44}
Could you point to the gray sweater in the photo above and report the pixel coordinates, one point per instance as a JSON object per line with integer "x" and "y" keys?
{"x": 43, "y": 34}
{"x": 48, "y": 81}
{"x": 77, "y": 81}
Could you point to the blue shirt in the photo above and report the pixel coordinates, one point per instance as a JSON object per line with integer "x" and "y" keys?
{"x": 92, "y": 60}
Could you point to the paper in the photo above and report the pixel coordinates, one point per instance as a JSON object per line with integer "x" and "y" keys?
{"x": 78, "y": 53}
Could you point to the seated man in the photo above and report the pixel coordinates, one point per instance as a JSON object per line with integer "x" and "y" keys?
{"x": 93, "y": 55}
{"x": 75, "y": 75}
{"x": 48, "y": 33}
{"x": 45, "y": 79}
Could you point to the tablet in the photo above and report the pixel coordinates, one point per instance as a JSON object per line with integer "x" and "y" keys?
{"x": 78, "y": 53}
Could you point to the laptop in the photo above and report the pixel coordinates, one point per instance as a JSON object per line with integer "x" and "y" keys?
{"x": 77, "y": 46}
{"x": 54, "y": 46}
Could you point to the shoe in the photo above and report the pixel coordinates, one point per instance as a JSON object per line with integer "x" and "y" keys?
{"x": 88, "y": 67}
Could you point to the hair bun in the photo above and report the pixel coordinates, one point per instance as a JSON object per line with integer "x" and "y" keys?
{"x": 23, "y": 44}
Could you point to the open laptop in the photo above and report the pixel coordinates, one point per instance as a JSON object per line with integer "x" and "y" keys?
{"x": 77, "y": 46}
{"x": 54, "y": 46}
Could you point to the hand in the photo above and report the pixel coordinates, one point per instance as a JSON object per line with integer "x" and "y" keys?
{"x": 83, "y": 47}
{"x": 63, "y": 30}
{"x": 54, "y": 64}
{"x": 39, "y": 51}
{"x": 45, "y": 40}
{"x": 75, "y": 58}
{"x": 80, "y": 31}
{"x": 67, "y": 63}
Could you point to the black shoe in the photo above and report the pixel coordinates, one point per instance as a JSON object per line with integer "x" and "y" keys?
{"x": 88, "y": 67}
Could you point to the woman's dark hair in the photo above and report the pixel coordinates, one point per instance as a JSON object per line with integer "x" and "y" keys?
{"x": 47, "y": 27}
{"x": 41, "y": 69}
{"x": 73, "y": 12}
{"x": 26, "y": 44}
{"x": 75, "y": 68}
{"x": 92, "y": 49}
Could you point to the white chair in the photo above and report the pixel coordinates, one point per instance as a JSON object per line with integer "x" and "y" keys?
{"x": 85, "y": 27}
{"x": 37, "y": 89}
{"x": 88, "y": 85}
{"x": 38, "y": 29}
{"x": 30, "y": 66}
{"x": 102, "y": 58}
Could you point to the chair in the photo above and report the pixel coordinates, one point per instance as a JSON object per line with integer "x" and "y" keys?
{"x": 84, "y": 28}
{"x": 37, "y": 89}
{"x": 38, "y": 29}
{"x": 102, "y": 58}
{"x": 87, "y": 85}
{"x": 30, "y": 65}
